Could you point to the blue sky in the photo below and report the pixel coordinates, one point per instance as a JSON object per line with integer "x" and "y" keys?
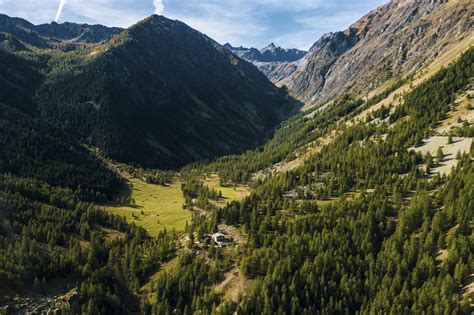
{"x": 256, "y": 23}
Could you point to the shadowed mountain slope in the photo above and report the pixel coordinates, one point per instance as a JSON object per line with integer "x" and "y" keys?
{"x": 162, "y": 94}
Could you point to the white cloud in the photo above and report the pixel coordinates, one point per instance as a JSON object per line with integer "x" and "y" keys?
{"x": 258, "y": 22}
{"x": 62, "y": 3}
{"x": 229, "y": 21}
{"x": 289, "y": 23}
{"x": 109, "y": 12}
{"x": 313, "y": 24}
{"x": 159, "y": 6}
{"x": 336, "y": 22}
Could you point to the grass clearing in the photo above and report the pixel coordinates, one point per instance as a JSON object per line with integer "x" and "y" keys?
{"x": 229, "y": 193}
{"x": 464, "y": 111}
{"x": 303, "y": 154}
{"x": 460, "y": 144}
{"x": 156, "y": 207}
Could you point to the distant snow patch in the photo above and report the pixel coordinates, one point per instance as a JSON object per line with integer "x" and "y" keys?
{"x": 159, "y": 6}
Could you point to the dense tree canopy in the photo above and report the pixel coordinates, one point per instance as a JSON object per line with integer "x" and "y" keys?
{"x": 362, "y": 226}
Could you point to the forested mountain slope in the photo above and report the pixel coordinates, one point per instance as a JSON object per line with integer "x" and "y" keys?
{"x": 32, "y": 148}
{"x": 161, "y": 94}
{"x": 158, "y": 94}
{"x": 363, "y": 223}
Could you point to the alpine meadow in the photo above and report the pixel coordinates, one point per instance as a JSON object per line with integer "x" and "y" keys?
{"x": 152, "y": 169}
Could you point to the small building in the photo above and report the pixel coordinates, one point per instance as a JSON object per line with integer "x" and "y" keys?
{"x": 219, "y": 239}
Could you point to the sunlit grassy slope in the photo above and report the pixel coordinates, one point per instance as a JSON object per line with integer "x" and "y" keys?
{"x": 230, "y": 192}
{"x": 156, "y": 207}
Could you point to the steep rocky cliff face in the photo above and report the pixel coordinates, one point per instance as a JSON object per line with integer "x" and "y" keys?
{"x": 270, "y": 53}
{"x": 323, "y": 54}
{"x": 275, "y": 62}
{"x": 389, "y": 42}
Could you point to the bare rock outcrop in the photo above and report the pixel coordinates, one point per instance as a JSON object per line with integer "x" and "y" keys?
{"x": 390, "y": 41}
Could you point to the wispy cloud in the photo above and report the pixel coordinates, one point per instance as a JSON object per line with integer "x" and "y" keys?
{"x": 290, "y": 5}
{"x": 109, "y": 12}
{"x": 312, "y": 27}
{"x": 159, "y": 6}
{"x": 229, "y": 22}
{"x": 62, "y": 3}
{"x": 289, "y": 23}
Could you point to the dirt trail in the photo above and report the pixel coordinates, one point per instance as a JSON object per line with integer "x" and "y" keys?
{"x": 235, "y": 285}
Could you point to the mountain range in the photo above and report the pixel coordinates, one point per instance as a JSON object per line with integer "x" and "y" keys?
{"x": 270, "y": 53}
{"x": 55, "y": 35}
{"x": 149, "y": 94}
{"x": 268, "y": 59}
{"x": 389, "y": 42}
{"x": 367, "y": 47}
{"x": 151, "y": 170}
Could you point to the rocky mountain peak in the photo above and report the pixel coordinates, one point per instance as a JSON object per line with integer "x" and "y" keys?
{"x": 390, "y": 41}
{"x": 269, "y": 47}
{"x": 269, "y": 54}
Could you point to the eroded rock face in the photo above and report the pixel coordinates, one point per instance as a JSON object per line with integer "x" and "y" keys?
{"x": 390, "y": 41}
{"x": 275, "y": 62}
{"x": 277, "y": 71}
{"x": 310, "y": 74}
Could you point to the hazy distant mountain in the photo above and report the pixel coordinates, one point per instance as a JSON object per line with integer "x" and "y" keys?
{"x": 249, "y": 54}
{"x": 49, "y": 35}
{"x": 271, "y": 53}
{"x": 78, "y": 33}
{"x": 269, "y": 59}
